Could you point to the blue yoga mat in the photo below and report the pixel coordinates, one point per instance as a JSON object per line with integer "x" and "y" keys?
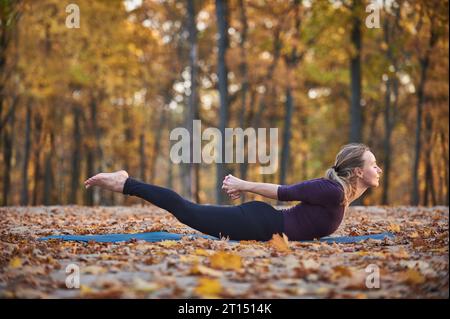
{"x": 160, "y": 236}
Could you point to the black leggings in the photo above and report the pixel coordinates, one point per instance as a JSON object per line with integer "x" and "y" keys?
{"x": 253, "y": 220}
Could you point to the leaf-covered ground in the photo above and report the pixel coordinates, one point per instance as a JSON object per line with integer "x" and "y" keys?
{"x": 413, "y": 265}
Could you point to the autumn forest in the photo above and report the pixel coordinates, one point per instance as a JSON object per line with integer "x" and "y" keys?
{"x": 105, "y": 94}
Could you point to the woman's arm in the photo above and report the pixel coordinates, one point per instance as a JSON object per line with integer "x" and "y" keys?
{"x": 235, "y": 186}
{"x": 265, "y": 189}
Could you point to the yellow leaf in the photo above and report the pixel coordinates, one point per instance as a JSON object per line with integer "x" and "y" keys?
{"x": 226, "y": 261}
{"x": 208, "y": 287}
{"x": 439, "y": 250}
{"x": 84, "y": 290}
{"x": 144, "y": 286}
{"x": 94, "y": 270}
{"x": 203, "y": 270}
{"x": 189, "y": 258}
{"x": 16, "y": 262}
{"x": 363, "y": 253}
{"x": 280, "y": 243}
{"x": 168, "y": 243}
{"x": 412, "y": 276}
{"x": 426, "y": 233}
{"x": 322, "y": 290}
{"x": 201, "y": 252}
{"x": 414, "y": 235}
{"x": 394, "y": 228}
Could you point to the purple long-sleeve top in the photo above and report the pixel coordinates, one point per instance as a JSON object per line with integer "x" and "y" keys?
{"x": 319, "y": 214}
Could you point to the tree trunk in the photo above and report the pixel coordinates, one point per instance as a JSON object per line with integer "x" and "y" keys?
{"x": 429, "y": 186}
{"x": 444, "y": 146}
{"x": 128, "y": 135}
{"x": 222, "y": 72}
{"x": 244, "y": 166}
{"x": 355, "y": 76}
{"x": 424, "y": 64}
{"x": 97, "y": 155}
{"x": 429, "y": 181}
{"x": 388, "y": 127}
{"x": 255, "y": 113}
{"x": 26, "y": 159}
{"x": 268, "y": 78}
{"x": 169, "y": 181}
{"x": 193, "y": 97}
{"x": 164, "y": 117}
{"x": 37, "y": 156}
{"x": 390, "y": 33}
{"x": 48, "y": 174}
{"x": 76, "y": 156}
{"x": 292, "y": 60}
{"x": 304, "y": 136}
{"x": 89, "y": 195}
{"x": 9, "y": 17}
{"x": 285, "y": 152}
{"x": 142, "y": 161}
{"x": 8, "y": 143}
{"x": 418, "y": 145}
{"x": 243, "y": 69}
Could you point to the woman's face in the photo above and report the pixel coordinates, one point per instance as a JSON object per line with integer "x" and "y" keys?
{"x": 371, "y": 172}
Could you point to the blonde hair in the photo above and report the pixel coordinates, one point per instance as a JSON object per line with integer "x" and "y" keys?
{"x": 343, "y": 171}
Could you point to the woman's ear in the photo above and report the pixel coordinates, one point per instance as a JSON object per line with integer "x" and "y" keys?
{"x": 358, "y": 172}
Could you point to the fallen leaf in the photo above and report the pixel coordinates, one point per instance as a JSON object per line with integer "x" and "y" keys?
{"x": 310, "y": 264}
{"x": 168, "y": 243}
{"x": 252, "y": 252}
{"x": 206, "y": 271}
{"x": 280, "y": 243}
{"x": 85, "y": 290}
{"x": 414, "y": 235}
{"x": 401, "y": 254}
{"x": 16, "y": 262}
{"x": 189, "y": 259}
{"x": 201, "y": 252}
{"x": 144, "y": 286}
{"x": 394, "y": 228}
{"x": 226, "y": 261}
{"x": 413, "y": 277}
{"x": 208, "y": 288}
{"x": 341, "y": 271}
{"x": 94, "y": 270}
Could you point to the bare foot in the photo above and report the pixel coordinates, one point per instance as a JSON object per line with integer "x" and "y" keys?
{"x": 110, "y": 181}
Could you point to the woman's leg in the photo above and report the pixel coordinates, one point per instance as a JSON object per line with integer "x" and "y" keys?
{"x": 250, "y": 221}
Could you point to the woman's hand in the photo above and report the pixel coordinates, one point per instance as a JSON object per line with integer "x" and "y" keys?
{"x": 233, "y": 186}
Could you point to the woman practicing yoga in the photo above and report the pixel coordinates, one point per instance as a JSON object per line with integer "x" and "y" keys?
{"x": 323, "y": 200}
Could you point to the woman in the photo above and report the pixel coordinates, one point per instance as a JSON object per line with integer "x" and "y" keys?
{"x": 322, "y": 207}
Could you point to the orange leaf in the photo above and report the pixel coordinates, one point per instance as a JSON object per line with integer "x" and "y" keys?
{"x": 226, "y": 261}
{"x": 280, "y": 243}
{"x": 341, "y": 271}
{"x": 414, "y": 277}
